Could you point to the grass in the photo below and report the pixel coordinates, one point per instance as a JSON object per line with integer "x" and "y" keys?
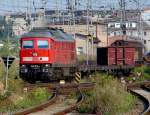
{"x": 108, "y": 97}
{"x": 14, "y": 83}
{"x": 15, "y": 98}
{"x": 38, "y": 96}
{"x": 2, "y": 70}
{"x": 145, "y": 72}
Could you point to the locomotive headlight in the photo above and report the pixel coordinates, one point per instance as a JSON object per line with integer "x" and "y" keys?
{"x": 23, "y": 65}
{"x": 46, "y": 65}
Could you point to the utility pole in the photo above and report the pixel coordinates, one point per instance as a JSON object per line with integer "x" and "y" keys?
{"x": 57, "y": 11}
{"x": 68, "y": 7}
{"x": 89, "y": 5}
{"x": 87, "y": 30}
{"x": 140, "y": 32}
{"x": 123, "y": 18}
{"x": 71, "y": 5}
{"x": 44, "y": 2}
{"x": 6, "y": 79}
{"x": 123, "y": 13}
{"x": 62, "y": 13}
{"x": 92, "y": 33}
{"x": 73, "y": 16}
{"x": 28, "y": 15}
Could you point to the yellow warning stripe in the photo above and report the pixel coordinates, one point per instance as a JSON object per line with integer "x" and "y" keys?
{"x": 77, "y": 76}
{"x": 77, "y": 79}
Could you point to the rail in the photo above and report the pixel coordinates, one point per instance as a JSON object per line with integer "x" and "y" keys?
{"x": 38, "y": 107}
{"x": 70, "y": 109}
{"x": 146, "y": 100}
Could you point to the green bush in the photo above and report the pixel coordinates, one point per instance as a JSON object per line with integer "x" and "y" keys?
{"x": 145, "y": 72}
{"x": 108, "y": 97}
{"x": 89, "y": 105}
{"x": 39, "y": 94}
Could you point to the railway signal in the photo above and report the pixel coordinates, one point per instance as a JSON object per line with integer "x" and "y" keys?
{"x": 7, "y": 61}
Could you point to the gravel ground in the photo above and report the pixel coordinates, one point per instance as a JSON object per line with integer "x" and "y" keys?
{"x": 61, "y": 104}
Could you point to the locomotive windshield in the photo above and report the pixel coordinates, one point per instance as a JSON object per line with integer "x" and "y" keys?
{"x": 27, "y": 44}
{"x": 42, "y": 44}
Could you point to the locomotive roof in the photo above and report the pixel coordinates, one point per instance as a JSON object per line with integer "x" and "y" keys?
{"x": 56, "y": 34}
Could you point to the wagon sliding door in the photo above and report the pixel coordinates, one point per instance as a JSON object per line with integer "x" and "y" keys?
{"x": 129, "y": 56}
{"x": 111, "y": 56}
{"x": 120, "y": 56}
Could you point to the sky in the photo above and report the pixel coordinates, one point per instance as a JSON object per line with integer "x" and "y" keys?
{"x": 12, "y": 6}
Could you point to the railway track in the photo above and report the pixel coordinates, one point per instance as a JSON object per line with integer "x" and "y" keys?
{"x": 147, "y": 87}
{"x": 142, "y": 91}
{"x": 53, "y": 86}
{"x": 56, "y": 105}
{"x": 60, "y": 104}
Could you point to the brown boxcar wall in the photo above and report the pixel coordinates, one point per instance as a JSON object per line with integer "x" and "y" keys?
{"x": 116, "y": 56}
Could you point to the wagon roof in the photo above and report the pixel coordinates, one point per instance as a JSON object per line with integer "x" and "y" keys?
{"x": 56, "y": 34}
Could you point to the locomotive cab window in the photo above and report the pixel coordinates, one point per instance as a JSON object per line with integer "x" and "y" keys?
{"x": 27, "y": 44}
{"x": 42, "y": 44}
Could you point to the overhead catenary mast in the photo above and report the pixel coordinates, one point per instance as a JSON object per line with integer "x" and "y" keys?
{"x": 57, "y": 11}
{"x": 71, "y": 7}
{"x": 87, "y": 31}
{"x": 123, "y": 18}
{"x": 139, "y": 20}
{"x": 28, "y": 15}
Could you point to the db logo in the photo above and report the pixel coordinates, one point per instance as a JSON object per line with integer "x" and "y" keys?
{"x": 34, "y": 54}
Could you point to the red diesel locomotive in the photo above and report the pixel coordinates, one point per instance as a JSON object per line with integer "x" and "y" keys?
{"x": 46, "y": 55}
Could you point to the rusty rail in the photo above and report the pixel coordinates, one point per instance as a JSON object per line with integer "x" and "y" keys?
{"x": 73, "y": 107}
{"x": 51, "y": 87}
{"x": 38, "y": 107}
{"x": 147, "y": 87}
{"x": 142, "y": 86}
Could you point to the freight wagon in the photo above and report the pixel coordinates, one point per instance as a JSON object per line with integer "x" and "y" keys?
{"x": 121, "y": 57}
{"x": 112, "y": 59}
